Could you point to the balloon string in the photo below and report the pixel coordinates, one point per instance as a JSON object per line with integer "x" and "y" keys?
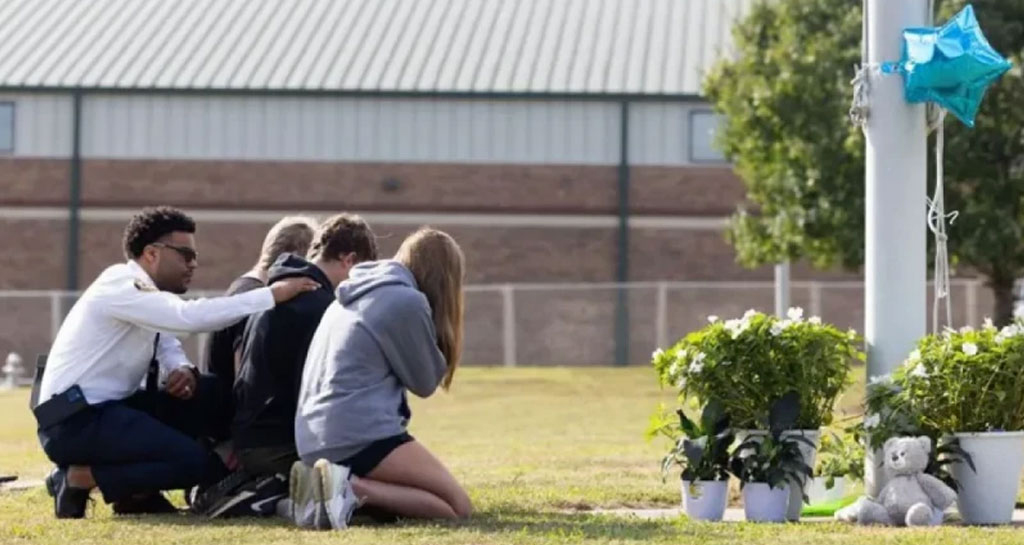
{"x": 861, "y": 107}
{"x": 937, "y": 218}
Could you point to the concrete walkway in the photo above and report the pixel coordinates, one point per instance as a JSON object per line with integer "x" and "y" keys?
{"x": 735, "y": 514}
{"x": 20, "y": 484}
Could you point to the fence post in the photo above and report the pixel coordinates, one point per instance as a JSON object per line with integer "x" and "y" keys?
{"x": 508, "y": 323}
{"x": 55, "y": 314}
{"x": 815, "y": 298}
{"x": 661, "y": 316}
{"x": 972, "y": 303}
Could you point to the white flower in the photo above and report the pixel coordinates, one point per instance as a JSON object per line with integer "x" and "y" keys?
{"x": 966, "y": 329}
{"x": 736, "y": 327}
{"x": 1006, "y": 333}
{"x": 920, "y": 371}
{"x": 914, "y": 357}
{"x": 795, "y": 313}
{"x": 698, "y": 363}
{"x": 851, "y": 333}
{"x": 988, "y": 324}
{"x": 726, "y": 363}
{"x": 814, "y": 320}
{"x": 749, "y": 314}
{"x": 872, "y": 421}
{"x": 777, "y": 329}
{"x": 880, "y": 380}
{"x": 712, "y": 319}
{"x": 970, "y": 349}
{"x": 675, "y": 368}
{"x": 657, "y": 354}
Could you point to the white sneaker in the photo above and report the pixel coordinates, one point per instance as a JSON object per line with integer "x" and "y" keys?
{"x": 284, "y": 508}
{"x": 339, "y": 500}
{"x": 302, "y": 491}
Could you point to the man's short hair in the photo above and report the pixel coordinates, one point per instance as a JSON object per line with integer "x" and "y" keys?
{"x": 152, "y": 224}
{"x": 292, "y": 234}
{"x": 343, "y": 234}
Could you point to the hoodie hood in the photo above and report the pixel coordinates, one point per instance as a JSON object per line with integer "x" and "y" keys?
{"x": 368, "y": 276}
{"x": 291, "y": 265}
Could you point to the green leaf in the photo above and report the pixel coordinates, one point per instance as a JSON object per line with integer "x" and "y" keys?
{"x": 784, "y": 412}
{"x": 687, "y": 425}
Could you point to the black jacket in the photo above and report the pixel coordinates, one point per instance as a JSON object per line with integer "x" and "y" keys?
{"x": 220, "y": 350}
{"x": 274, "y": 348}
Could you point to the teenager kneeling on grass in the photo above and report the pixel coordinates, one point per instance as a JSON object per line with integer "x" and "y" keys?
{"x": 397, "y": 326}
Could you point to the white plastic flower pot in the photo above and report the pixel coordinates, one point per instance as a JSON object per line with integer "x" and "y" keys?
{"x": 796, "y": 499}
{"x": 818, "y": 493}
{"x": 705, "y": 500}
{"x": 762, "y": 503}
{"x": 988, "y": 496}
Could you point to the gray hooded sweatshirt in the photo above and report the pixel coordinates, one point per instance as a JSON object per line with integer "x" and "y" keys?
{"x": 377, "y": 341}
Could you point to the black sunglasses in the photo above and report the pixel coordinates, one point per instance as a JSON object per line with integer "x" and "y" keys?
{"x": 186, "y": 253}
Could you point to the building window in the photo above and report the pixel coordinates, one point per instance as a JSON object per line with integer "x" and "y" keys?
{"x": 6, "y": 127}
{"x": 704, "y": 125}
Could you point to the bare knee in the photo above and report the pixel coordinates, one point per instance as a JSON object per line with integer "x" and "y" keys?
{"x": 462, "y": 506}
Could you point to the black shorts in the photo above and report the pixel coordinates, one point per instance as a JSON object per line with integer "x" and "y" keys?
{"x": 364, "y": 461}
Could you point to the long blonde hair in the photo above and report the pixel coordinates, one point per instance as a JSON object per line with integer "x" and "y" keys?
{"x": 438, "y": 265}
{"x": 293, "y": 234}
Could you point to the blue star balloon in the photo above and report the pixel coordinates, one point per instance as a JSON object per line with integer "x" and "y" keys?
{"x": 951, "y": 65}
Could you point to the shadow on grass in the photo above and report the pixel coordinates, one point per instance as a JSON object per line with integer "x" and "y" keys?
{"x": 505, "y": 521}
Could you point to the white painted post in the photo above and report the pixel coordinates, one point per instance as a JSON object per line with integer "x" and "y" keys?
{"x": 781, "y": 289}
{"x": 895, "y": 265}
{"x": 972, "y": 303}
{"x": 508, "y": 307}
{"x": 815, "y": 296}
{"x": 661, "y": 316}
{"x": 55, "y": 314}
{"x": 13, "y": 370}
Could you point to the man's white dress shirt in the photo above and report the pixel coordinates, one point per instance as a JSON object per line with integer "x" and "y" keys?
{"x": 106, "y": 342}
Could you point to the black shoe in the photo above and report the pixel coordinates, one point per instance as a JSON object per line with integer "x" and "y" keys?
{"x": 51, "y": 482}
{"x": 153, "y": 503}
{"x": 205, "y": 500}
{"x": 68, "y": 502}
{"x": 257, "y": 498}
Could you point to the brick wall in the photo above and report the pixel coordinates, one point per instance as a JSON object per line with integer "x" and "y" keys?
{"x": 432, "y": 187}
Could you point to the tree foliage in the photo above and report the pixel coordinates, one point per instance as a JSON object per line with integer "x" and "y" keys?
{"x": 785, "y": 98}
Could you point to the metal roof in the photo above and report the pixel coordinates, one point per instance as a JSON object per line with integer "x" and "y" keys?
{"x": 577, "y": 47}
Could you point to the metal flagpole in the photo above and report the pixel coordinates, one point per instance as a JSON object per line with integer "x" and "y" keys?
{"x": 895, "y": 266}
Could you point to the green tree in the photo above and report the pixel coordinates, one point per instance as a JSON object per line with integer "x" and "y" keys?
{"x": 785, "y": 99}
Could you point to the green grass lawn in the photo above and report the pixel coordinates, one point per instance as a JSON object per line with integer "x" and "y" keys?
{"x": 536, "y": 448}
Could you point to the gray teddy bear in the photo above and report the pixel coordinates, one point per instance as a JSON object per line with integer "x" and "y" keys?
{"x": 910, "y": 496}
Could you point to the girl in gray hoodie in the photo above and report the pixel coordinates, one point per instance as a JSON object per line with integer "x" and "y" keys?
{"x": 396, "y": 327}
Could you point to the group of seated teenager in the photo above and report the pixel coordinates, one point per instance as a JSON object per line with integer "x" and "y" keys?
{"x": 302, "y": 411}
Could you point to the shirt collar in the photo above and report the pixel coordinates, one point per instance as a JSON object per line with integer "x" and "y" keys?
{"x": 140, "y": 273}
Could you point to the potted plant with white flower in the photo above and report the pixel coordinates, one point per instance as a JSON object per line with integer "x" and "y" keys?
{"x": 890, "y": 413}
{"x": 970, "y": 384}
{"x": 701, "y": 450}
{"x": 749, "y": 362}
{"x": 840, "y": 461}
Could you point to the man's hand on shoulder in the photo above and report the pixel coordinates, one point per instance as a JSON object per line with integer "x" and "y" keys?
{"x": 285, "y": 290}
